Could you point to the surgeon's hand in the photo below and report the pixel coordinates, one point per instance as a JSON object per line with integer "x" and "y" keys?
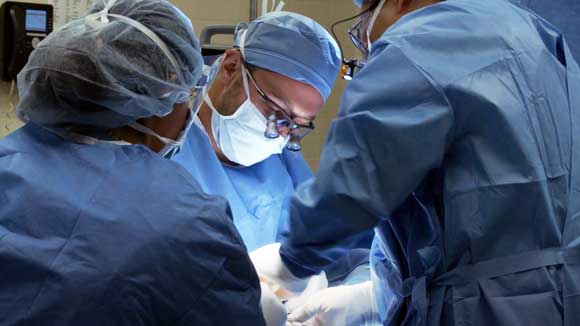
{"x": 351, "y": 305}
{"x": 273, "y": 310}
{"x": 280, "y": 280}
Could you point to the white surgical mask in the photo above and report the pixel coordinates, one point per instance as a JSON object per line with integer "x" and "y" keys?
{"x": 240, "y": 136}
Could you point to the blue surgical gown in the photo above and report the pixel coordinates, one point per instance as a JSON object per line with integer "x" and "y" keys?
{"x": 459, "y": 143}
{"x": 117, "y": 236}
{"x": 259, "y": 195}
{"x": 564, "y": 14}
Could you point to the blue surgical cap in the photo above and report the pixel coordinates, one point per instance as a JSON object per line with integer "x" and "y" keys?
{"x": 294, "y": 46}
{"x": 107, "y": 69}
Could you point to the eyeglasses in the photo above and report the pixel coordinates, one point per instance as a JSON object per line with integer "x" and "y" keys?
{"x": 357, "y": 35}
{"x": 280, "y": 121}
{"x": 358, "y": 32}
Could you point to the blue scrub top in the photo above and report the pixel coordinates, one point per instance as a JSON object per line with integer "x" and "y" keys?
{"x": 104, "y": 234}
{"x": 258, "y": 195}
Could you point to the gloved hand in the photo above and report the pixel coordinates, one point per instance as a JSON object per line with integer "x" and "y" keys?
{"x": 273, "y": 310}
{"x": 275, "y": 274}
{"x": 351, "y": 305}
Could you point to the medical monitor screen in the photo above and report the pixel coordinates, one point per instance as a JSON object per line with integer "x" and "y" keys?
{"x": 36, "y": 20}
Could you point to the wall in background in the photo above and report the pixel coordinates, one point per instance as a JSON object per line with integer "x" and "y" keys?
{"x": 8, "y": 101}
{"x": 203, "y": 13}
{"x": 8, "y": 122}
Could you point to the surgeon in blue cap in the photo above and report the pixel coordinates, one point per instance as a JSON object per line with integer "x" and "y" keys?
{"x": 261, "y": 100}
{"x": 459, "y": 143}
{"x": 96, "y": 226}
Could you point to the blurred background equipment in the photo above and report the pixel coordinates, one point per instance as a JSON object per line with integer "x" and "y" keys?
{"x": 22, "y": 27}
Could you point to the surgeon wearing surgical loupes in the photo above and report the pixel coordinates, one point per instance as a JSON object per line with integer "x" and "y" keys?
{"x": 260, "y": 101}
{"x": 458, "y": 142}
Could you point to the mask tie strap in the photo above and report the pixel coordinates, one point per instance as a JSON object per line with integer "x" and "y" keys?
{"x": 372, "y": 23}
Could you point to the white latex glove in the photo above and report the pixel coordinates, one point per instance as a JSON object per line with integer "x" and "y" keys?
{"x": 273, "y": 310}
{"x": 351, "y": 305}
{"x": 275, "y": 274}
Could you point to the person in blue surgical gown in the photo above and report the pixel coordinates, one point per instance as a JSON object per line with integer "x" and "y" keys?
{"x": 260, "y": 101}
{"x": 96, "y": 226}
{"x": 459, "y": 143}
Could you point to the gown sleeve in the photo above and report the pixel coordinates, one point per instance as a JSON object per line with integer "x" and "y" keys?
{"x": 394, "y": 126}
